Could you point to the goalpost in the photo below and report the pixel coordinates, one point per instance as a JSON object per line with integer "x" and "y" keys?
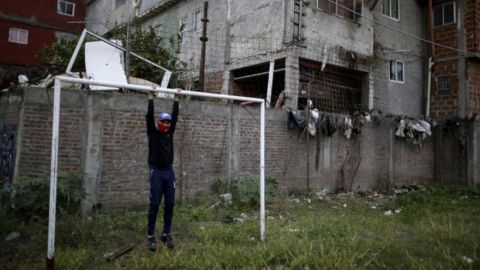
{"x": 162, "y": 89}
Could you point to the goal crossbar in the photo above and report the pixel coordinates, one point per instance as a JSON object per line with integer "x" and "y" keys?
{"x": 55, "y": 143}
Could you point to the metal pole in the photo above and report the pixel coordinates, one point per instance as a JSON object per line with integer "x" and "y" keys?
{"x": 181, "y": 92}
{"x": 53, "y": 176}
{"x": 429, "y": 87}
{"x": 430, "y": 27}
{"x": 203, "y": 39}
{"x": 157, "y": 89}
{"x": 270, "y": 83}
{"x": 76, "y": 51}
{"x": 123, "y": 49}
{"x": 262, "y": 171}
{"x": 127, "y": 55}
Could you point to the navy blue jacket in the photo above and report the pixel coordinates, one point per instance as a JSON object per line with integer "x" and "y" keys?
{"x": 160, "y": 145}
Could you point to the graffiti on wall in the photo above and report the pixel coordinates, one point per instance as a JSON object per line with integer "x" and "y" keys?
{"x": 7, "y": 153}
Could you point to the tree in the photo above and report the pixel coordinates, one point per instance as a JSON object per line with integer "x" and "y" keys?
{"x": 145, "y": 42}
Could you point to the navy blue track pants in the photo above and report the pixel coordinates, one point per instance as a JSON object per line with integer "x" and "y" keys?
{"x": 162, "y": 184}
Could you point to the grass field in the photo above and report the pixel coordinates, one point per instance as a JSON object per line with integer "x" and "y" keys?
{"x": 433, "y": 228}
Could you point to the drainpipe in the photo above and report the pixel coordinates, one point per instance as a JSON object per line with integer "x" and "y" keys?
{"x": 430, "y": 58}
{"x": 429, "y": 87}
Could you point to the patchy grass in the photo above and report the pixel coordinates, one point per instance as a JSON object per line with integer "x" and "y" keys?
{"x": 437, "y": 228}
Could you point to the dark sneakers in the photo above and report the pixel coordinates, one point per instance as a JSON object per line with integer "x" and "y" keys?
{"x": 152, "y": 245}
{"x": 167, "y": 240}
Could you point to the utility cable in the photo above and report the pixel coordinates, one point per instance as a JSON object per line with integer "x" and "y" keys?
{"x": 403, "y": 32}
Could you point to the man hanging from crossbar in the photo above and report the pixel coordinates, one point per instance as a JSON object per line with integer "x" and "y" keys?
{"x": 162, "y": 177}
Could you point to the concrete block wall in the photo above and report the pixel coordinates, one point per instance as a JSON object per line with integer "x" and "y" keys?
{"x": 34, "y": 136}
{"x": 456, "y": 150}
{"x": 10, "y": 108}
{"x": 103, "y": 134}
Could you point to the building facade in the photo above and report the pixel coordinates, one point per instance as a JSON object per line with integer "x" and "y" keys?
{"x": 456, "y": 58}
{"x": 27, "y": 26}
{"x": 399, "y": 68}
{"x": 333, "y": 52}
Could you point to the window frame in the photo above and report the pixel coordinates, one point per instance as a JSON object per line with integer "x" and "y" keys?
{"x": 197, "y": 20}
{"x": 396, "y": 75}
{"x": 443, "y": 14}
{"x": 336, "y": 12}
{"x": 17, "y": 31}
{"x": 117, "y": 5}
{"x": 59, "y": 10}
{"x": 443, "y": 92}
{"x": 390, "y": 10}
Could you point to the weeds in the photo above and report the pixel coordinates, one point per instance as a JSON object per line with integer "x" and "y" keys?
{"x": 246, "y": 192}
{"x": 436, "y": 229}
{"x": 29, "y": 198}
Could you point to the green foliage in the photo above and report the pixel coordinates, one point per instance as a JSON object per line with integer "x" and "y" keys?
{"x": 28, "y": 198}
{"x": 58, "y": 54}
{"x": 220, "y": 187}
{"x": 147, "y": 43}
{"x": 436, "y": 199}
{"x": 317, "y": 235}
{"x": 249, "y": 190}
{"x": 158, "y": 50}
{"x": 246, "y": 191}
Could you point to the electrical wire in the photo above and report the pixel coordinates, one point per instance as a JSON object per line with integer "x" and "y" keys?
{"x": 403, "y": 32}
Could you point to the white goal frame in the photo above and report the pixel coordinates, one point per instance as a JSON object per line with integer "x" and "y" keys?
{"x": 55, "y": 142}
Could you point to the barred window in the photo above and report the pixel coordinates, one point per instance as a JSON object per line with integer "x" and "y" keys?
{"x": 444, "y": 85}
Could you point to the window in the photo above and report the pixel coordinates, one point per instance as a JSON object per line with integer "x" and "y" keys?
{"x": 390, "y": 8}
{"x": 444, "y": 14}
{"x": 344, "y": 8}
{"x": 197, "y": 23}
{"x": 119, "y": 3}
{"x": 444, "y": 85}
{"x": 66, "y": 8}
{"x": 16, "y": 35}
{"x": 396, "y": 71}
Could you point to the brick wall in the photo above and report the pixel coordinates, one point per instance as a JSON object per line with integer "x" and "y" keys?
{"x": 444, "y": 105}
{"x": 35, "y": 151}
{"x": 446, "y": 62}
{"x": 474, "y": 86}
{"x": 472, "y": 25}
{"x": 214, "y": 82}
{"x": 447, "y": 36}
{"x": 205, "y": 134}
